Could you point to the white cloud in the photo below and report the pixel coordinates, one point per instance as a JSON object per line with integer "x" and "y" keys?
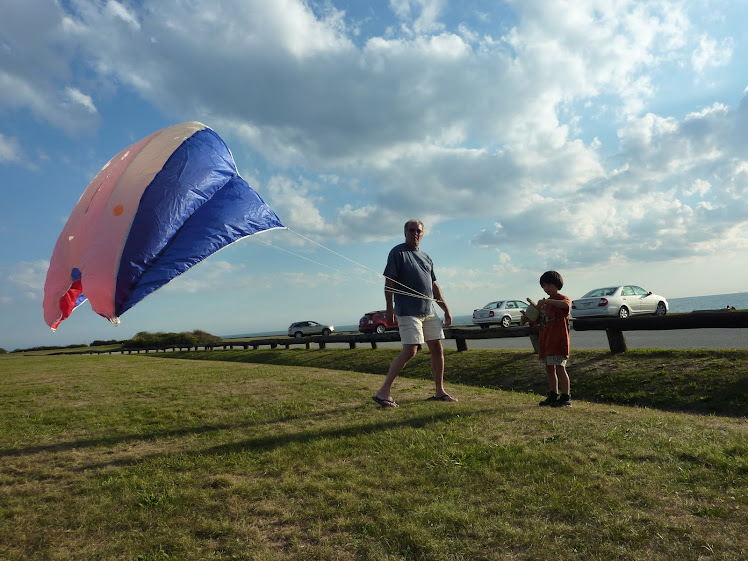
{"x": 547, "y": 128}
{"x": 710, "y": 54}
{"x": 35, "y": 74}
{"x": 422, "y": 16}
{"x": 117, "y": 10}
{"x": 10, "y": 150}
{"x": 27, "y": 277}
{"x": 209, "y": 276}
{"x": 77, "y": 98}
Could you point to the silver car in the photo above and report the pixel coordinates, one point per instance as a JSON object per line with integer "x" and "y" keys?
{"x": 303, "y": 328}
{"x": 618, "y": 301}
{"x": 501, "y": 312}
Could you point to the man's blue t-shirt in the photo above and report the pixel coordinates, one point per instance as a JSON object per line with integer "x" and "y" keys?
{"x": 415, "y": 270}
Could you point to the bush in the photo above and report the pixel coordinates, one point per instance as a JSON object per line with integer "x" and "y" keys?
{"x": 144, "y": 339}
{"x": 3, "y": 351}
{"x": 52, "y": 348}
{"x": 98, "y": 343}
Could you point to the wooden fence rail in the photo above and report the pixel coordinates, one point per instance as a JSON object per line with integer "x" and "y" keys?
{"x": 614, "y": 328}
{"x": 460, "y": 334}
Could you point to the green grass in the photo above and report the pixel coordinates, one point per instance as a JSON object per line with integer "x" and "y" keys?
{"x": 142, "y": 457}
{"x": 700, "y": 381}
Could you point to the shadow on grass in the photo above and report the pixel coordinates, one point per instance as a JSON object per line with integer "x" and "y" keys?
{"x": 259, "y": 444}
{"x": 267, "y": 443}
{"x": 167, "y": 433}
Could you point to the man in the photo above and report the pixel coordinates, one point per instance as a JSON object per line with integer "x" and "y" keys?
{"x": 409, "y": 289}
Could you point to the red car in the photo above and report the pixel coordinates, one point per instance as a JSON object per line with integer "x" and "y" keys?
{"x": 375, "y": 322}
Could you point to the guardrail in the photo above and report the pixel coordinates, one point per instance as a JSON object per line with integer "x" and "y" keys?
{"x": 614, "y": 328}
{"x": 460, "y": 334}
{"x": 699, "y": 319}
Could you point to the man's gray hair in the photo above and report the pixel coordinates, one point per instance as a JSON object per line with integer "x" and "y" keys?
{"x": 411, "y": 221}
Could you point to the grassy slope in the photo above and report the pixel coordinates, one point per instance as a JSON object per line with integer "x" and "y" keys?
{"x": 127, "y": 457}
{"x": 704, "y": 381}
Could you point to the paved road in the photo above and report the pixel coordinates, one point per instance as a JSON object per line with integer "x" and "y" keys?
{"x": 590, "y": 340}
{"x": 670, "y": 339}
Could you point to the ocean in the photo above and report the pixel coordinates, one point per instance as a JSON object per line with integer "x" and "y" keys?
{"x": 737, "y": 300}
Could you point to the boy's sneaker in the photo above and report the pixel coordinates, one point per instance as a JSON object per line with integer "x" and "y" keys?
{"x": 563, "y": 401}
{"x": 550, "y": 400}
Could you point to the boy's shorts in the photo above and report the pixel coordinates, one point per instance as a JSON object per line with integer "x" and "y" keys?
{"x": 554, "y": 360}
{"x": 416, "y": 330}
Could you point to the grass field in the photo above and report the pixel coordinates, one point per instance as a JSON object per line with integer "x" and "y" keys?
{"x": 149, "y": 457}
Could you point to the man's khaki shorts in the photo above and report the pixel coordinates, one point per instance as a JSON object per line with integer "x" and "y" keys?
{"x": 416, "y": 330}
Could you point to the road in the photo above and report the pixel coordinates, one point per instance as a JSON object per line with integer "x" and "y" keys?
{"x": 669, "y": 339}
{"x": 733, "y": 338}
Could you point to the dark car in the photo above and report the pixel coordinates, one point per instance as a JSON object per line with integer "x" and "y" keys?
{"x": 375, "y": 322}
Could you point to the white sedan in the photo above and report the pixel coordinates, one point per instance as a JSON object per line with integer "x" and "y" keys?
{"x": 502, "y": 312}
{"x": 618, "y": 301}
{"x": 302, "y": 328}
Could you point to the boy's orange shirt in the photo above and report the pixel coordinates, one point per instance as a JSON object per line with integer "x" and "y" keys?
{"x": 554, "y": 336}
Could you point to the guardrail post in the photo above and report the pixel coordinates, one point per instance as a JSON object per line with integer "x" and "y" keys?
{"x": 616, "y": 341}
{"x": 535, "y": 340}
{"x": 461, "y": 344}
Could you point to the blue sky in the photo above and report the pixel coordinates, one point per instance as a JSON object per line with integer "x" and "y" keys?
{"x": 606, "y": 140}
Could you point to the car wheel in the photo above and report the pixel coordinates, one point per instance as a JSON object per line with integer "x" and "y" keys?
{"x": 623, "y": 313}
{"x": 661, "y": 309}
{"x": 484, "y": 326}
{"x": 381, "y": 328}
{"x": 506, "y": 321}
{"x": 325, "y": 332}
{"x": 298, "y": 334}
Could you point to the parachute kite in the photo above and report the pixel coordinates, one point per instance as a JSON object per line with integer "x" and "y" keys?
{"x": 156, "y": 209}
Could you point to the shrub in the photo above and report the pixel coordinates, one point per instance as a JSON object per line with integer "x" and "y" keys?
{"x": 145, "y": 339}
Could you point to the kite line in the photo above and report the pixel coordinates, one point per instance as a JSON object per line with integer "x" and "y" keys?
{"x": 406, "y": 290}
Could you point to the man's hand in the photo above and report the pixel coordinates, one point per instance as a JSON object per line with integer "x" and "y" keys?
{"x": 447, "y": 319}
{"x": 390, "y": 313}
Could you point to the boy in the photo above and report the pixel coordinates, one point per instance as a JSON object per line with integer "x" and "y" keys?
{"x": 554, "y": 338}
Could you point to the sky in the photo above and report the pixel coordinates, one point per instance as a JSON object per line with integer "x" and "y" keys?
{"x": 604, "y": 139}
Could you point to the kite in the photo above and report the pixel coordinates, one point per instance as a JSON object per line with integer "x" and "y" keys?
{"x": 156, "y": 209}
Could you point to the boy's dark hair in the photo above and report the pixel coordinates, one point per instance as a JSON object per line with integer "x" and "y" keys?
{"x": 552, "y": 277}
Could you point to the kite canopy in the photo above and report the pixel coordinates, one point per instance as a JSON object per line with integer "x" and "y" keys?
{"x": 154, "y": 210}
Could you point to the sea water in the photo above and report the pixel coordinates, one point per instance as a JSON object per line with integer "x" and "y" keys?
{"x": 737, "y": 300}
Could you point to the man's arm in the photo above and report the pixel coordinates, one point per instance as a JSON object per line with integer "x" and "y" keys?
{"x": 389, "y": 284}
{"x": 442, "y": 304}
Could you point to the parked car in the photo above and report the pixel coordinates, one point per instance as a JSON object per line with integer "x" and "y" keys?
{"x": 375, "y": 322}
{"x": 618, "y": 301}
{"x": 303, "y": 328}
{"x": 502, "y": 312}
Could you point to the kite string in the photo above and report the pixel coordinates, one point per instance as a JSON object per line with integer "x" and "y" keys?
{"x": 408, "y": 292}
{"x": 370, "y": 281}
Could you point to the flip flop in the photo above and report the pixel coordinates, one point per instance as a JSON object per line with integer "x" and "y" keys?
{"x": 445, "y": 397}
{"x": 385, "y": 402}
